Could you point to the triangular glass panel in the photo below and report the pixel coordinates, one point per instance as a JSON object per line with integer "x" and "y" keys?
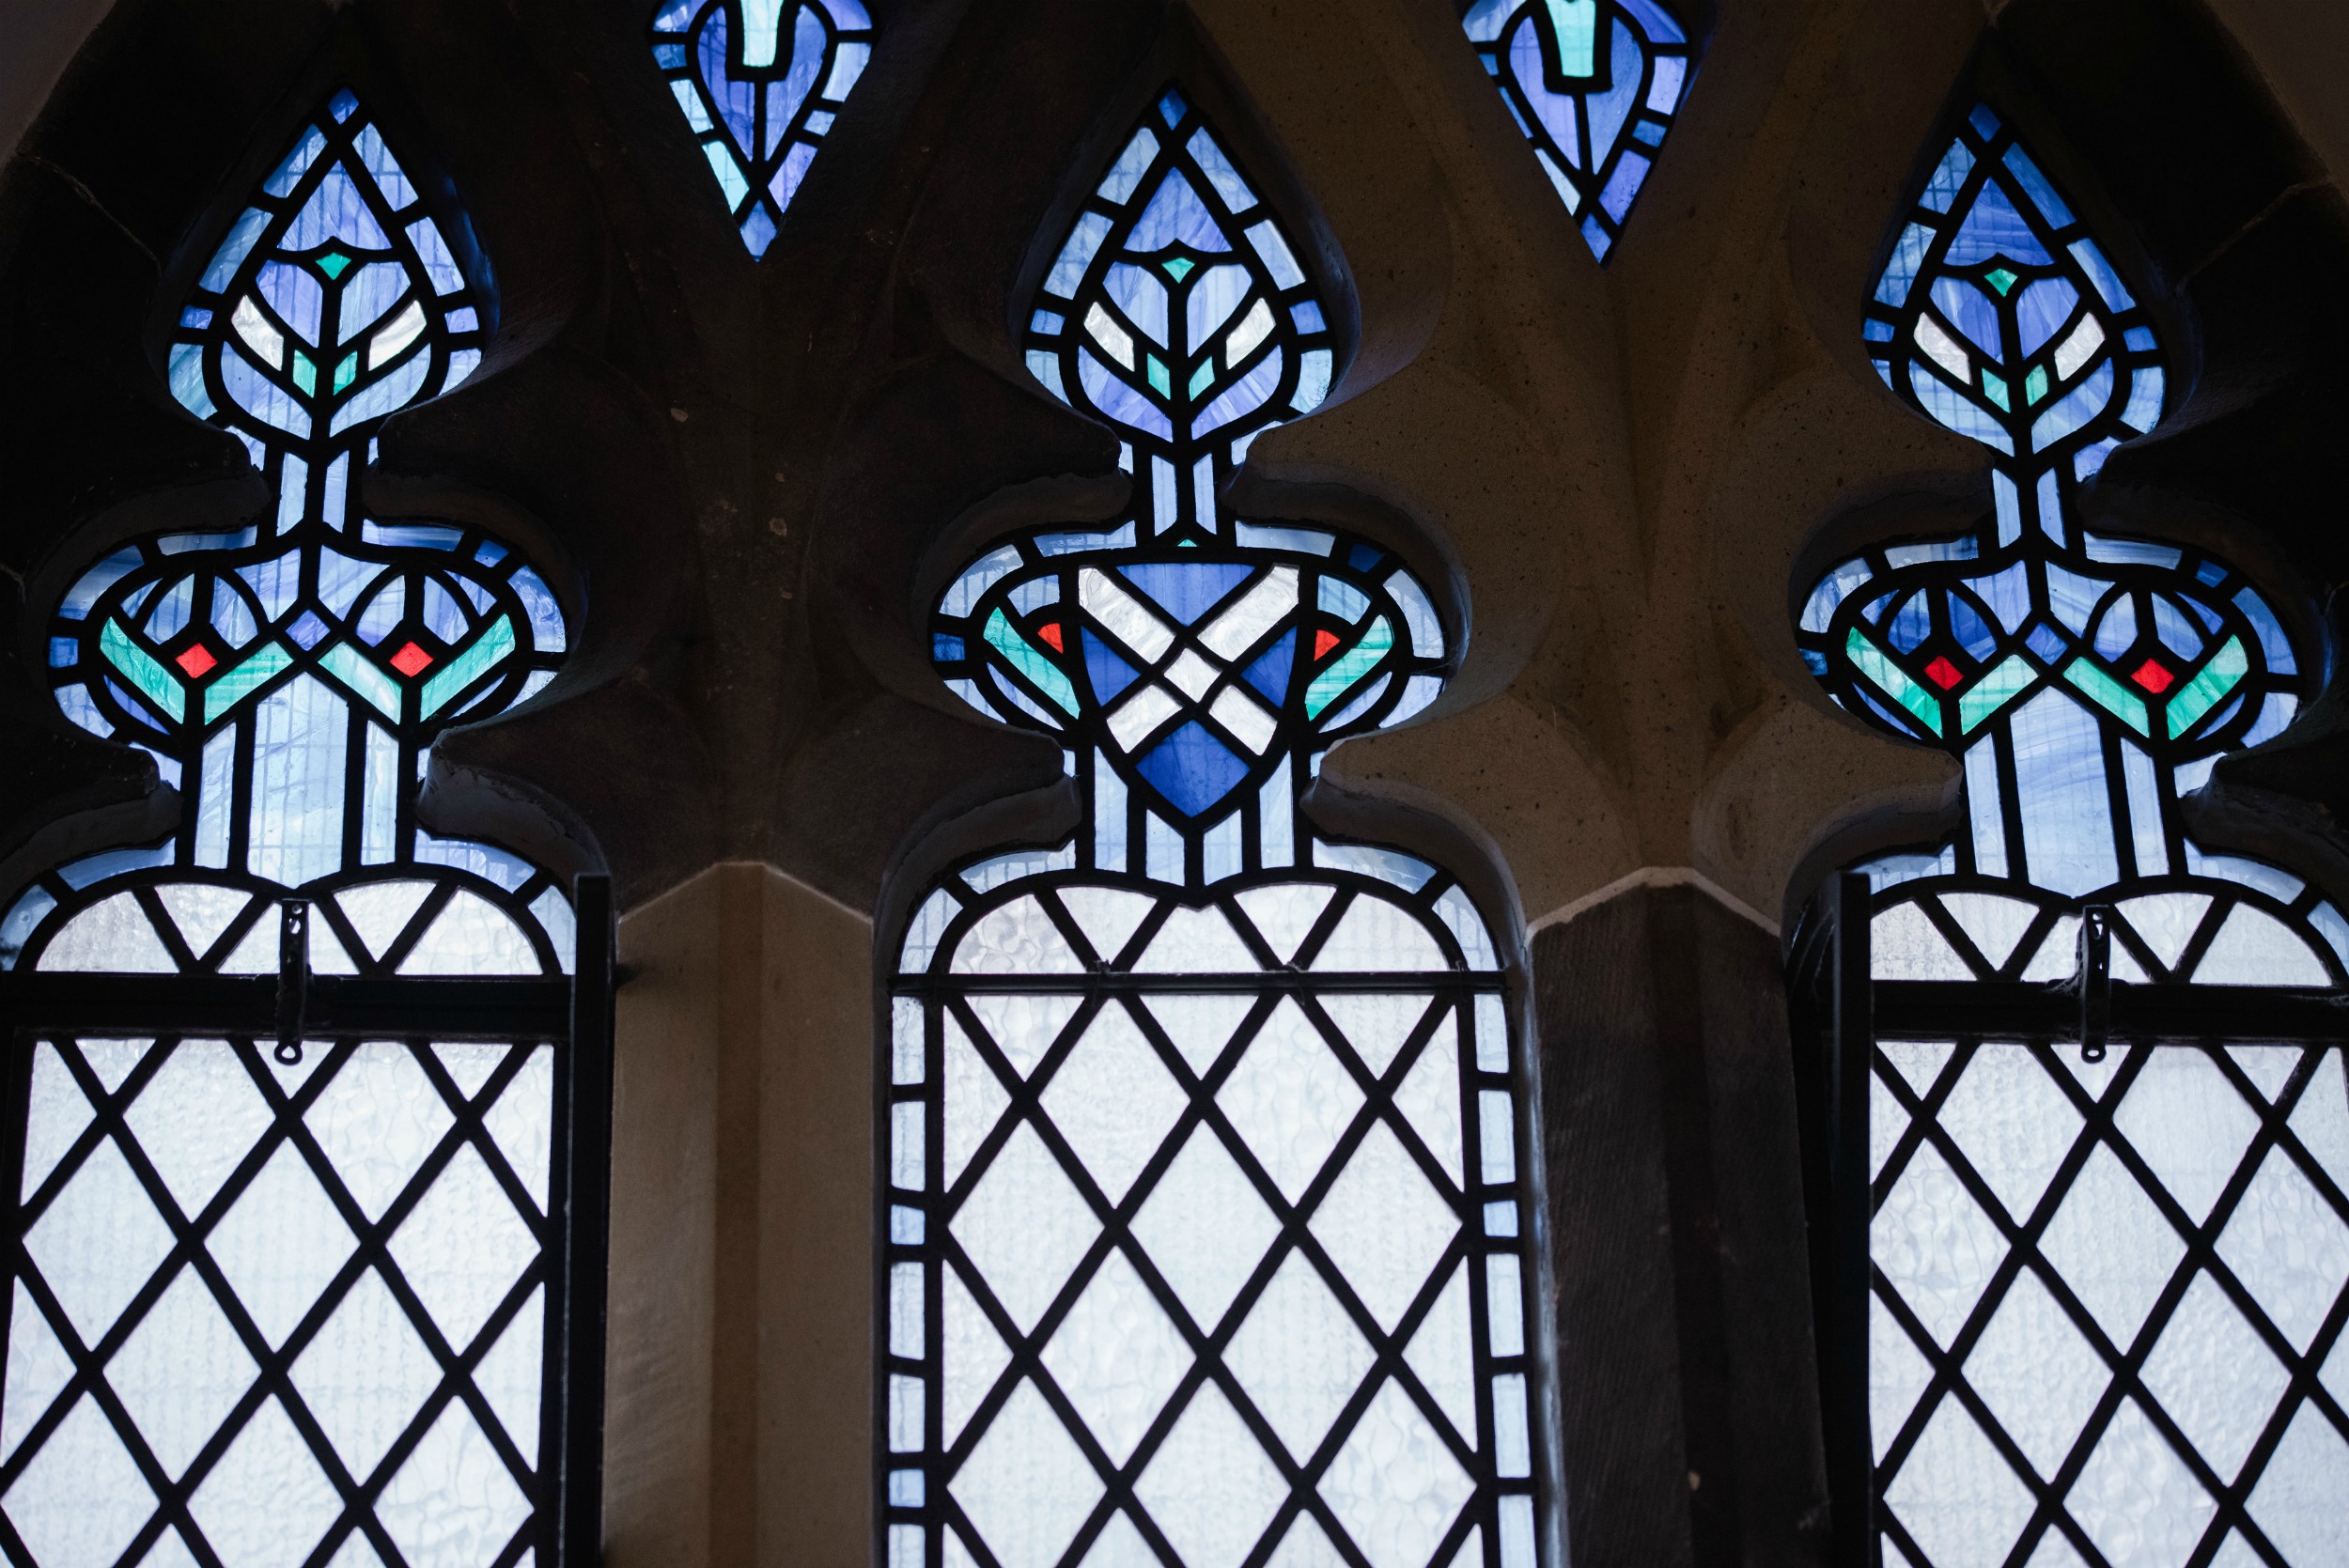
{"x": 1023, "y": 1027}
{"x": 1199, "y": 1022}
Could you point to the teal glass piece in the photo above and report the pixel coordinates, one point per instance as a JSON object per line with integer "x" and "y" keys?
{"x": 359, "y": 673}
{"x": 459, "y": 674}
{"x": 146, "y": 674}
{"x": 1594, "y": 85}
{"x": 248, "y": 675}
{"x": 1350, "y": 667}
{"x": 1041, "y": 672}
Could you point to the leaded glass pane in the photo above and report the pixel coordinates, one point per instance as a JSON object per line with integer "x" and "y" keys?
{"x": 2108, "y": 1285}
{"x": 288, "y": 1300}
{"x": 1194, "y": 1117}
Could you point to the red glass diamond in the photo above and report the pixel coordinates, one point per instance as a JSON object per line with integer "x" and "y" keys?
{"x": 197, "y": 661}
{"x": 1323, "y": 643}
{"x": 2152, "y": 677}
{"x": 411, "y": 660}
{"x": 1049, "y": 631}
{"x": 1944, "y": 675}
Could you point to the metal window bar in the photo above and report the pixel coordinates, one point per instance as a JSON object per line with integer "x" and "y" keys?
{"x": 574, "y": 1015}
{"x": 1841, "y": 1014}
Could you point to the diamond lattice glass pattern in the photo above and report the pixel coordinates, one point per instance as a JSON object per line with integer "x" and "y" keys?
{"x": 256, "y": 1307}
{"x": 1594, "y": 85}
{"x": 1186, "y": 1257}
{"x": 760, "y": 83}
{"x": 2104, "y": 1292}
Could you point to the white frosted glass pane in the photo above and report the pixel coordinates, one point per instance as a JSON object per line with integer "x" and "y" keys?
{"x": 1025, "y": 1226}
{"x": 1956, "y": 1496}
{"x": 2288, "y": 1248}
{"x": 1384, "y": 1226}
{"x": 2190, "y": 1125}
{"x": 266, "y": 1503}
{"x": 38, "y": 1368}
{"x": 1195, "y": 941}
{"x": 216, "y": 799}
{"x": 522, "y": 1123}
{"x": 906, "y": 1326}
{"x": 1205, "y": 1227}
{"x": 1492, "y": 1035}
{"x": 1897, "y": 1374}
{"x": 1886, "y": 1121}
{"x": 1374, "y": 934}
{"x": 454, "y": 1504}
{"x": 377, "y": 1121}
{"x": 2037, "y": 1372}
{"x": 972, "y": 1356}
{"x": 1199, "y": 1024}
{"x": 55, "y": 1116}
{"x": 1210, "y": 1488}
{"x": 1513, "y": 1446}
{"x": 201, "y": 910}
{"x": 1298, "y": 1355}
{"x": 112, "y": 936}
{"x": 1026, "y": 1485}
{"x": 2060, "y": 772}
{"x": 181, "y": 1371}
{"x": 1117, "y": 1356}
{"x": 1125, "y": 619}
{"x": 2253, "y": 948}
{"x": 1504, "y": 1298}
{"x": 1516, "y": 1533}
{"x": 300, "y": 745}
{"x": 509, "y": 1377}
{"x": 365, "y": 1374}
{"x": 1237, "y": 630}
{"x": 2136, "y": 1498}
{"x": 379, "y": 911}
{"x": 2112, "y": 1246}
{"x": 1276, "y": 819}
{"x": 2014, "y": 1124}
{"x": 1106, "y": 916}
{"x": 1290, "y": 1099}
{"x": 98, "y": 1241}
{"x": 2321, "y": 1120}
{"x": 2213, "y": 1375}
{"x": 1467, "y": 927}
{"x": 1113, "y": 1101}
{"x": 1904, "y": 944}
{"x": 1442, "y": 1353}
{"x": 908, "y": 1163}
{"x": 1934, "y": 1244}
{"x": 907, "y": 1547}
{"x": 463, "y": 1247}
{"x": 379, "y": 800}
{"x": 1018, "y": 939}
{"x": 472, "y": 936}
{"x": 1429, "y": 1099}
{"x": 82, "y": 1498}
{"x": 974, "y": 1103}
{"x": 924, "y": 929}
{"x": 905, "y": 1414}
{"x": 906, "y": 1040}
{"x": 1496, "y": 1133}
{"x": 1023, "y": 1027}
{"x": 1306, "y": 1545}
{"x": 2298, "y": 1499}
{"x": 1376, "y": 1023}
{"x": 1284, "y": 913}
{"x": 1918, "y": 1062}
{"x": 1393, "y": 1485}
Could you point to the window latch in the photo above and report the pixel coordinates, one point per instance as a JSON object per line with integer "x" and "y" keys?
{"x": 293, "y": 977}
{"x": 2094, "y": 979}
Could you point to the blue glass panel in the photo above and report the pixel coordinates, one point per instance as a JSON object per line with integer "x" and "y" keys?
{"x": 1186, "y": 591}
{"x": 1971, "y": 311}
{"x": 2035, "y": 186}
{"x": 1176, "y": 215}
{"x": 1994, "y": 229}
{"x": 1270, "y": 673}
{"x": 1109, "y": 674}
{"x": 1192, "y": 768}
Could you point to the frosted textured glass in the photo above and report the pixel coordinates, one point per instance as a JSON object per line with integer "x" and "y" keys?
{"x": 55, "y": 1116}
{"x": 1195, "y": 941}
{"x": 1205, "y": 1227}
{"x": 522, "y": 1123}
{"x": 1210, "y": 1487}
{"x": 463, "y": 1246}
{"x": 1393, "y": 1485}
{"x": 1117, "y": 1356}
{"x": 81, "y": 1500}
{"x": 972, "y": 1354}
{"x": 376, "y": 1120}
{"x": 2112, "y": 1246}
{"x": 1106, "y": 916}
{"x": 181, "y": 1371}
{"x": 1897, "y": 1374}
{"x": 1298, "y": 1355}
{"x": 1199, "y": 1024}
{"x": 266, "y": 1503}
{"x": 2297, "y": 1501}
{"x": 2190, "y": 1125}
{"x": 379, "y": 911}
{"x": 1374, "y": 934}
{"x": 2211, "y": 1374}
{"x": 1290, "y": 1099}
{"x": 1022, "y": 1027}
{"x": 2014, "y": 1124}
{"x": 509, "y": 1377}
{"x": 1956, "y": 1496}
{"x": 454, "y": 1504}
{"x": 973, "y": 1103}
{"x": 1441, "y": 1354}
{"x": 1284, "y": 913}
{"x": 472, "y": 937}
{"x": 2136, "y": 1498}
{"x": 2037, "y": 1372}
{"x": 1384, "y": 1226}
{"x": 365, "y": 1374}
{"x": 1026, "y": 1485}
{"x": 1934, "y": 1244}
{"x": 1377, "y": 1023}
{"x": 1429, "y": 1099}
{"x": 1018, "y": 939}
{"x": 38, "y": 1368}
{"x": 299, "y": 753}
{"x": 2288, "y": 1248}
{"x": 1113, "y": 1101}
{"x": 280, "y": 1243}
{"x": 1025, "y": 1226}
{"x": 98, "y": 1242}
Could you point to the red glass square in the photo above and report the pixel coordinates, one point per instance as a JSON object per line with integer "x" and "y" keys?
{"x": 197, "y": 661}
{"x": 1944, "y": 675}
{"x": 411, "y": 660}
{"x": 2152, "y": 677}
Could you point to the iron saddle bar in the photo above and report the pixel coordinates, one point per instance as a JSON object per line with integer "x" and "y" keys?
{"x": 333, "y": 1006}
{"x": 2025, "y": 1010}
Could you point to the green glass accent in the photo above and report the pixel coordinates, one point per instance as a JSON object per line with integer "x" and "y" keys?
{"x": 2034, "y": 386}
{"x": 1993, "y": 690}
{"x": 1005, "y": 638}
{"x": 2204, "y": 691}
{"x": 306, "y": 374}
{"x": 1352, "y": 666}
{"x": 346, "y": 371}
{"x": 1202, "y": 378}
{"x": 469, "y": 666}
{"x": 1158, "y": 378}
{"x": 145, "y": 673}
{"x": 234, "y": 687}
{"x": 1996, "y": 389}
{"x": 332, "y": 263}
{"x": 1878, "y": 667}
{"x": 354, "y": 669}
{"x": 1178, "y": 266}
{"x": 2110, "y": 695}
{"x": 2000, "y": 279}
{"x": 1185, "y": 544}
{"x": 1576, "y": 23}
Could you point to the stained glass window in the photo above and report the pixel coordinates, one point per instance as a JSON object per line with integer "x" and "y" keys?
{"x": 1593, "y": 84}
{"x": 1209, "y": 1229}
{"x": 759, "y": 101}
{"x": 2108, "y": 1287}
{"x": 284, "y": 1300}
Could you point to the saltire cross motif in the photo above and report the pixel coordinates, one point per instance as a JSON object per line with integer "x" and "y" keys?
{"x": 1211, "y": 1226}
{"x": 760, "y": 83}
{"x": 278, "y": 1298}
{"x": 1594, "y": 85}
{"x": 2103, "y": 1288}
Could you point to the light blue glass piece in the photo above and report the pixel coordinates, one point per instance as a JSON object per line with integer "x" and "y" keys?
{"x": 1045, "y": 366}
{"x": 1336, "y": 597}
{"x": 1077, "y": 255}
{"x": 2274, "y": 645}
{"x": 1119, "y": 400}
{"x": 1390, "y": 866}
{"x": 439, "y": 264}
{"x": 28, "y": 912}
{"x": 171, "y": 612}
{"x": 1215, "y": 294}
{"x": 977, "y": 579}
{"x": 1971, "y": 310}
{"x": 2040, "y": 310}
{"x": 2180, "y": 636}
{"x": 2276, "y": 714}
{"x": 547, "y": 633}
{"x": 1120, "y": 538}
{"x": 1047, "y": 322}
{"x": 1900, "y": 272}
{"x": 261, "y": 398}
{"x": 689, "y": 99}
{"x": 294, "y": 294}
{"x": 2100, "y": 272}
{"x": 1243, "y": 397}
{"x": 422, "y": 535}
{"x": 1658, "y": 24}
{"x": 85, "y": 591}
{"x": 1830, "y": 592}
{"x": 759, "y": 229}
{"x": 1554, "y": 110}
{"x": 1964, "y": 548}
{"x": 485, "y": 861}
{"x": 2036, "y": 186}
{"x": 2083, "y": 403}
{"x": 1313, "y": 380}
{"x": 1483, "y": 19}
{"x": 75, "y": 702}
{"x": 2074, "y": 597}
{"x": 1140, "y": 294}
{"x": 2089, "y": 462}
{"x": 187, "y": 380}
{"x": 2007, "y": 593}
{"x": 1949, "y": 178}
{"x": 1274, "y": 251}
{"x": 1993, "y": 228}
{"x": 1238, "y": 197}
{"x": 368, "y": 293}
{"x": 1623, "y": 184}
{"x": 1608, "y": 110}
{"x": 2145, "y": 392}
{"x": 443, "y": 616}
{"x": 1950, "y": 408}
{"x": 1118, "y": 187}
{"x": 1176, "y": 215}
{"x": 2117, "y": 630}
{"x": 2059, "y": 767}
{"x": 234, "y": 249}
{"x": 93, "y": 869}
{"x": 1307, "y": 314}
{"x": 846, "y": 66}
{"x": 392, "y": 393}
{"x": 341, "y": 580}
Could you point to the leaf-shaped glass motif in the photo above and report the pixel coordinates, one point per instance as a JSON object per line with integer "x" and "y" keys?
{"x": 760, "y": 82}
{"x": 1193, "y": 664}
{"x": 1594, "y": 85}
{"x": 2087, "y": 682}
{"x": 288, "y": 676}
